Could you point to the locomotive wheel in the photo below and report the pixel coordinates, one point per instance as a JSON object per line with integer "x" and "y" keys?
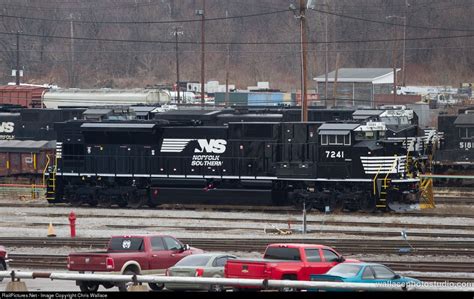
{"x": 367, "y": 204}
{"x": 135, "y": 201}
{"x": 122, "y": 200}
{"x": 105, "y": 201}
{"x": 76, "y": 200}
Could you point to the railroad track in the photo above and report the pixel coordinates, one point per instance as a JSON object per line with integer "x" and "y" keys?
{"x": 286, "y": 210}
{"x": 345, "y": 246}
{"x": 285, "y": 221}
{"x": 31, "y": 261}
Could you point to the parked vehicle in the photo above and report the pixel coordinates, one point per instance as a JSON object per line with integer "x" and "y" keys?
{"x": 3, "y": 260}
{"x": 129, "y": 255}
{"x": 286, "y": 261}
{"x": 199, "y": 265}
{"x": 363, "y": 273}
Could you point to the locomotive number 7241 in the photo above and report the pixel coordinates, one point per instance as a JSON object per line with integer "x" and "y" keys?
{"x": 335, "y": 154}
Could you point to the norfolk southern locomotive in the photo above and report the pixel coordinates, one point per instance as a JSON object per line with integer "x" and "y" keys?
{"x": 455, "y": 156}
{"x": 134, "y": 163}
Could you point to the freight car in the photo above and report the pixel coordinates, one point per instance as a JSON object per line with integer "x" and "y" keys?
{"x": 135, "y": 163}
{"x": 455, "y": 156}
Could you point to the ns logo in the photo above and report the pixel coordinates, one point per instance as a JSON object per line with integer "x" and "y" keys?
{"x": 215, "y": 146}
{"x": 7, "y": 127}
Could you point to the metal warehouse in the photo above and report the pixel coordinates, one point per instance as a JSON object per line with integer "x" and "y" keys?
{"x": 357, "y": 86}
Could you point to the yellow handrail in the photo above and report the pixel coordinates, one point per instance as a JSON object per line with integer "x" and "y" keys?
{"x": 45, "y": 168}
{"x": 375, "y": 178}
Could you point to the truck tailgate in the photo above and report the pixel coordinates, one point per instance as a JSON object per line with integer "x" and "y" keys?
{"x": 246, "y": 269}
{"x": 87, "y": 262}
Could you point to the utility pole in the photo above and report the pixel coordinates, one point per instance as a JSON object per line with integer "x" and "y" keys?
{"x": 303, "y": 42}
{"x": 226, "y": 101}
{"x": 17, "y": 72}
{"x": 326, "y": 63}
{"x": 404, "y": 42}
{"x": 203, "y": 19}
{"x": 72, "y": 75}
{"x": 404, "y": 39}
{"x": 334, "y": 91}
{"x": 176, "y": 33}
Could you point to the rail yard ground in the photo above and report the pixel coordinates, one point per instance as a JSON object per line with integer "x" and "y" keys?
{"x": 439, "y": 246}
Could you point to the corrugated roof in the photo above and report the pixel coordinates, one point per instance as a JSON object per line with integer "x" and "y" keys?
{"x": 464, "y": 119}
{"x": 357, "y": 74}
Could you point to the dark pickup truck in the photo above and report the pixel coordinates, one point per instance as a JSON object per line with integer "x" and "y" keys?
{"x": 128, "y": 255}
{"x": 286, "y": 261}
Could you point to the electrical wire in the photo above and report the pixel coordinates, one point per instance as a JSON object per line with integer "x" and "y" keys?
{"x": 390, "y": 23}
{"x": 236, "y": 43}
{"x": 145, "y": 22}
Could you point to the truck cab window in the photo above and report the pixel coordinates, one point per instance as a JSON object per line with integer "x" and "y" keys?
{"x": 330, "y": 256}
{"x": 312, "y": 255}
{"x": 157, "y": 244}
{"x": 172, "y": 244}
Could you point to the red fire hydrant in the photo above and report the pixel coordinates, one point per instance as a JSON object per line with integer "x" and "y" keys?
{"x": 72, "y": 223}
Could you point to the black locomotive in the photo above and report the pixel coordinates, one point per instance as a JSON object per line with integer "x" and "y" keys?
{"x": 454, "y": 160}
{"x": 219, "y": 157}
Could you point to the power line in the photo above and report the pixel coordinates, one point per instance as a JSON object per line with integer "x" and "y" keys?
{"x": 389, "y": 23}
{"x": 235, "y": 52}
{"x": 238, "y": 43}
{"x": 145, "y": 22}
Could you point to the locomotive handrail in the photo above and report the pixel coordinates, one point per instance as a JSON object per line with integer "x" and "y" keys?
{"x": 375, "y": 180}
{"x": 394, "y": 165}
{"x": 45, "y": 169}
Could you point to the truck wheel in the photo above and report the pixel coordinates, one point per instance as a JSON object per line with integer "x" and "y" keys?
{"x": 2, "y": 268}
{"x": 156, "y": 286}
{"x": 88, "y": 286}
{"x": 122, "y": 286}
{"x": 216, "y": 288}
{"x": 288, "y": 289}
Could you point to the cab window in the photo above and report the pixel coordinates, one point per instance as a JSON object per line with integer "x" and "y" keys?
{"x": 172, "y": 244}
{"x": 157, "y": 244}
{"x": 330, "y": 256}
{"x": 312, "y": 255}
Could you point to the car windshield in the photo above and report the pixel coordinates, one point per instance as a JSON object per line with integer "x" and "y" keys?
{"x": 344, "y": 270}
{"x": 194, "y": 260}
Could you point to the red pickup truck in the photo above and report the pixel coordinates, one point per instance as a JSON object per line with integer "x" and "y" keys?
{"x": 137, "y": 254}
{"x": 3, "y": 260}
{"x": 286, "y": 261}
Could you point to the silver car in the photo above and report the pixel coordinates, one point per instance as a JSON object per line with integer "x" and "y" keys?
{"x": 199, "y": 265}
